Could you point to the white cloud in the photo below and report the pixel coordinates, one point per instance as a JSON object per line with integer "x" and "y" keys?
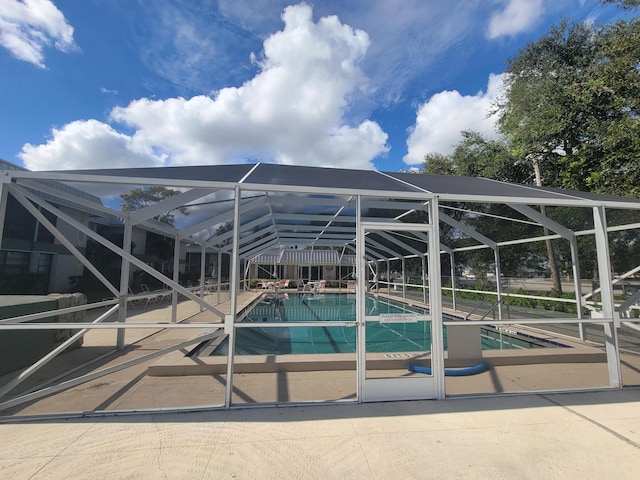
{"x": 518, "y": 16}
{"x": 28, "y": 26}
{"x": 441, "y": 119}
{"x": 411, "y": 40}
{"x": 88, "y": 144}
{"x": 291, "y": 112}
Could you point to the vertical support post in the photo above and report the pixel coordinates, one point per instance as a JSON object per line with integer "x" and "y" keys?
{"x": 366, "y": 276}
{"x": 219, "y": 273}
{"x": 606, "y": 294}
{"x": 404, "y": 280}
{"x": 577, "y": 284}
{"x": 388, "y": 277}
{"x": 424, "y": 279}
{"x": 247, "y": 276}
{"x": 453, "y": 278}
{"x": 176, "y": 278}
{"x": 203, "y": 266}
{"x": 496, "y": 254}
{"x": 229, "y": 323}
{"x": 435, "y": 302}
{"x": 124, "y": 282}
{"x": 361, "y": 324}
{"x": 3, "y": 204}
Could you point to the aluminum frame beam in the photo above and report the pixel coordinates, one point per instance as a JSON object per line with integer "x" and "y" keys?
{"x": 114, "y": 248}
{"x": 19, "y": 194}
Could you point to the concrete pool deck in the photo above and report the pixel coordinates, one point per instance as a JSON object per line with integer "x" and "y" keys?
{"x": 592, "y": 434}
{"x": 134, "y": 388}
{"x": 588, "y": 435}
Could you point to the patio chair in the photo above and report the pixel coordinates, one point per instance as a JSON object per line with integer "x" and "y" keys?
{"x": 144, "y": 288}
{"x": 351, "y": 285}
{"x": 134, "y": 302}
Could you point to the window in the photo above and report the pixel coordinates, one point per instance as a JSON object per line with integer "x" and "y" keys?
{"x": 15, "y": 263}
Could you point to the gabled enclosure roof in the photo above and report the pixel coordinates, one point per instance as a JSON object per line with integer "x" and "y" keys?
{"x": 316, "y": 179}
{"x": 83, "y": 200}
{"x": 311, "y": 208}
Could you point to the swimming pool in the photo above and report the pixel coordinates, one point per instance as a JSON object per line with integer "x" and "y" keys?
{"x": 380, "y": 337}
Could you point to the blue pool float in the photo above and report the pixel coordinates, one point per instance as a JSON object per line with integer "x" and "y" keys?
{"x": 458, "y": 372}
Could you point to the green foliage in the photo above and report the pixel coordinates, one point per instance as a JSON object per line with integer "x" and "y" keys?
{"x": 438, "y": 164}
{"x": 477, "y": 156}
{"x": 543, "y": 304}
{"x": 533, "y": 303}
{"x": 625, "y": 4}
{"x": 572, "y": 104}
{"x": 571, "y": 111}
{"x": 29, "y": 283}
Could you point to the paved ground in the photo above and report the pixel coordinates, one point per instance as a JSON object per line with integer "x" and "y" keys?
{"x": 589, "y": 435}
{"x": 577, "y": 435}
{"x": 133, "y": 389}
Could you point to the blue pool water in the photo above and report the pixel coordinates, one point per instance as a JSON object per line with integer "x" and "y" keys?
{"x": 380, "y": 337}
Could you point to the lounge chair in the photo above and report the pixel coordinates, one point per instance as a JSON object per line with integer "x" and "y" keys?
{"x": 309, "y": 288}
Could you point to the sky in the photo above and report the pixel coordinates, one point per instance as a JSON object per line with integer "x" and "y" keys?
{"x": 367, "y": 84}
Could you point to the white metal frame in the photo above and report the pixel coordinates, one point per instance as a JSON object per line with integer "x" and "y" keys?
{"x": 277, "y": 228}
{"x": 408, "y": 387}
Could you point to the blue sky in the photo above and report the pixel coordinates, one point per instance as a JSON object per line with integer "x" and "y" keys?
{"x": 353, "y": 84}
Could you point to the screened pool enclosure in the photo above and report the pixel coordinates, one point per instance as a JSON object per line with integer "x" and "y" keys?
{"x": 453, "y": 255}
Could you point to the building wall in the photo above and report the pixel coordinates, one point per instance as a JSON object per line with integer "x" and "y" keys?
{"x": 46, "y": 255}
{"x": 64, "y": 264}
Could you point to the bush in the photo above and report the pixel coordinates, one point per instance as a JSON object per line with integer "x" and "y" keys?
{"x": 25, "y": 284}
{"x": 521, "y": 302}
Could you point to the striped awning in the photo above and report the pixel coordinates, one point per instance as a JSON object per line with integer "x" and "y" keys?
{"x": 303, "y": 257}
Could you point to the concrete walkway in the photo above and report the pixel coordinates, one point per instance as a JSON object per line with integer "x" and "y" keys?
{"x": 589, "y": 435}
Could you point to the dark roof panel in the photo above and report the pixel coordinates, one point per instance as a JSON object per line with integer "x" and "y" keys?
{"x": 454, "y": 185}
{"x": 212, "y": 173}
{"x": 351, "y": 180}
{"x": 271, "y": 174}
{"x": 598, "y": 197}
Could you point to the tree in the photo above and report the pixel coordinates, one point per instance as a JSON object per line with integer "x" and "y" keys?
{"x": 617, "y": 74}
{"x": 477, "y": 156}
{"x": 143, "y": 197}
{"x": 540, "y": 113}
{"x": 571, "y": 107}
{"x": 625, "y": 4}
{"x": 438, "y": 164}
{"x": 570, "y": 116}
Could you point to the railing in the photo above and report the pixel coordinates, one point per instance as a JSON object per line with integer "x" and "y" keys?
{"x": 491, "y": 309}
